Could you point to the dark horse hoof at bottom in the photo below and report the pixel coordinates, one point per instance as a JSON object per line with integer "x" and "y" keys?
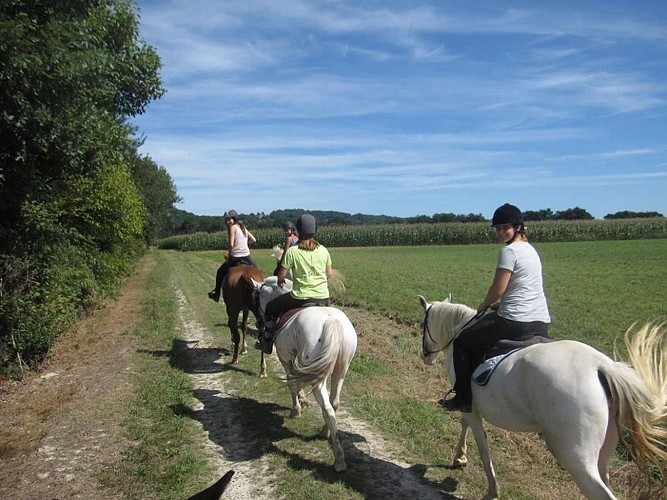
{"x": 215, "y": 491}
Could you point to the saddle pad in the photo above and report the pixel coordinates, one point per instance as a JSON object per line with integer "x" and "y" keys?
{"x": 483, "y": 372}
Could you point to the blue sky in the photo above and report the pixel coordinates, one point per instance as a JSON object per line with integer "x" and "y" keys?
{"x": 408, "y": 108}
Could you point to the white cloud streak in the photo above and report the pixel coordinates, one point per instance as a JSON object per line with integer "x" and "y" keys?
{"x": 340, "y": 97}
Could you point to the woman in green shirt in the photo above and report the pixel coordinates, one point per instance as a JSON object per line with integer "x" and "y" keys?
{"x": 311, "y": 268}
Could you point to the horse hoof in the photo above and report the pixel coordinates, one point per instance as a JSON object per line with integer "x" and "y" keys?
{"x": 340, "y": 467}
{"x": 235, "y": 361}
{"x": 244, "y": 351}
{"x": 262, "y": 375}
{"x": 460, "y": 463}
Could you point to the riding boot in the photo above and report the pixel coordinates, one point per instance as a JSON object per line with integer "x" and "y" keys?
{"x": 462, "y": 401}
{"x": 265, "y": 339}
{"x": 219, "y": 278}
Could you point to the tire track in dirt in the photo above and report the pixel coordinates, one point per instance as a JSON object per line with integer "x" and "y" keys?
{"x": 371, "y": 457}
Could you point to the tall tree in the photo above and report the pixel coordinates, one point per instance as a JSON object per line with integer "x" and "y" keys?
{"x": 71, "y": 73}
{"x": 159, "y": 195}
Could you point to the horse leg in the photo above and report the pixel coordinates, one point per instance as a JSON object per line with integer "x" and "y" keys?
{"x": 475, "y": 423}
{"x": 296, "y": 400}
{"x": 329, "y": 415}
{"x": 236, "y": 338}
{"x": 244, "y": 330}
{"x": 302, "y": 399}
{"x": 460, "y": 459}
{"x": 583, "y": 458}
{"x": 608, "y": 449}
{"x": 337, "y": 379}
{"x": 262, "y": 366}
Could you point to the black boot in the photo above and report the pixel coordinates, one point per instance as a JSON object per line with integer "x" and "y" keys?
{"x": 265, "y": 339}
{"x": 458, "y": 403}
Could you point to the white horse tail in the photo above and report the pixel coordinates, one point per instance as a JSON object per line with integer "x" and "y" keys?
{"x": 640, "y": 398}
{"x": 310, "y": 372}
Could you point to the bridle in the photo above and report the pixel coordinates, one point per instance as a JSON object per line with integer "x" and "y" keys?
{"x": 427, "y": 331}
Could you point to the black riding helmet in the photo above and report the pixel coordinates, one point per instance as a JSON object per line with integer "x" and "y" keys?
{"x": 288, "y": 225}
{"x": 306, "y": 225}
{"x": 507, "y": 214}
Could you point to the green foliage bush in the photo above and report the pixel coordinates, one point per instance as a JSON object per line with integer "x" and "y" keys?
{"x": 41, "y": 295}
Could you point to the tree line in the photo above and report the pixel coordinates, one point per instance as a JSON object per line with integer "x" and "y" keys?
{"x": 182, "y": 222}
{"x": 78, "y": 203}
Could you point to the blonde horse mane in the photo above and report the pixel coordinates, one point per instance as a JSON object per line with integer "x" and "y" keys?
{"x": 451, "y": 316}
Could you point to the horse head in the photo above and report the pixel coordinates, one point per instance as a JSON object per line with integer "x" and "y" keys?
{"x": 269, "y": 289}
{"x": 439, "y": 325}
{"x": 277, "y": 251}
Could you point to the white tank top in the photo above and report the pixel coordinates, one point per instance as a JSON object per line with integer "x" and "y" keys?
{"x": 240, "y": 248}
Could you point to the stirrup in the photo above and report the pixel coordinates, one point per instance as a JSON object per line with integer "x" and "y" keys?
{"x": 264, "y": 345}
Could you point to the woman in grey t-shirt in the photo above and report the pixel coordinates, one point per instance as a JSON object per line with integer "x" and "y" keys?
{"x": 523, "y": 311}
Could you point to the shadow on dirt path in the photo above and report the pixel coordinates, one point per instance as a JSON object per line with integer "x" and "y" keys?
{"x": 245, "y": 444}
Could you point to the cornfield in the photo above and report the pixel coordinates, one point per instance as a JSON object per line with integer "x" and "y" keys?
{"x": 437, "y": 234}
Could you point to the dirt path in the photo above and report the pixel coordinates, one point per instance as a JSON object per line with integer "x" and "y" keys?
{"x": 61, "y": 427}
{"x": 374, "y": 456}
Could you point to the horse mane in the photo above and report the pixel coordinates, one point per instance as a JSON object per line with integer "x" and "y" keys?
{"x": 450, "y": 316}
{"x": 277, "y": 251}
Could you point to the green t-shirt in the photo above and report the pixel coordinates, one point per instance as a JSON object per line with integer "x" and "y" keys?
{"x": 309, "y": 270}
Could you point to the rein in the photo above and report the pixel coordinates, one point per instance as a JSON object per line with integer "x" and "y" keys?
{"x": 427, "y": 331}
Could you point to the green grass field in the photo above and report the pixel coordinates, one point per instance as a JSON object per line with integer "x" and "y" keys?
{"x": 596, "y": 290}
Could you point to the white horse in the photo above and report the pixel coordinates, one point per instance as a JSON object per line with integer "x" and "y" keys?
{"x": 315, "y": 344}
{"x": 579, "y": 400}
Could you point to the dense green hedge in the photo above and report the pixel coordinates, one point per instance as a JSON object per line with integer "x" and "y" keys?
{"x": 40, "y": 296}
{"x": 438, "y": 234}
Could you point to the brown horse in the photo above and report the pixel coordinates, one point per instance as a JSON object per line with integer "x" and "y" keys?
{"x": 238, "y": 292}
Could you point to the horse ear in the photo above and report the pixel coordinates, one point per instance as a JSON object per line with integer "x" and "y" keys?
{"x": 449, "y": 298}
{"x": 256, "y": 284}
{"x": 422, "y": 301}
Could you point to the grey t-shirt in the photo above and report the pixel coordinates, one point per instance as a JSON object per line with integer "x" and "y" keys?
{"x": 524, "y": 299}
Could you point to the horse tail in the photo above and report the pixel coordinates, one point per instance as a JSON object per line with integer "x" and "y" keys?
{"x": 640, "y": 401}
{"x": 311, "y": 372}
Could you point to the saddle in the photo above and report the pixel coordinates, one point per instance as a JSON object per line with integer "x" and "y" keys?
{"x": 290, "y": 313}
{"x": 499, "y": 352}
{"x": 243, "y": 260}
{"x": 504, "y": 346}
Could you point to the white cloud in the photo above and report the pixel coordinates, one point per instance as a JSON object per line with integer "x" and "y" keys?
{"x": 402, "y": 101}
